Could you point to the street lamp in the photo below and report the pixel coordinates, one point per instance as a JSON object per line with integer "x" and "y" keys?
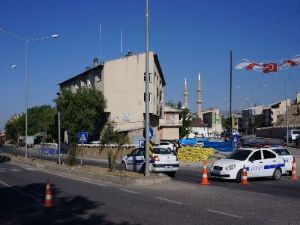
{"x": 27, "y": 41}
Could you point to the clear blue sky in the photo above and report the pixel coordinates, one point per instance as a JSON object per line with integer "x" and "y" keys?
{"x": 189, "y": 36}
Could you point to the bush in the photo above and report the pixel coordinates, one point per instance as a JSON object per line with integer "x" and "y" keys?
{"x": 72, "y": 155}
{"x": 111, "y": 160}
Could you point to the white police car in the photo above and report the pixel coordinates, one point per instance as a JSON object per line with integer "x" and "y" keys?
{"x": 286, "y": 155}
{"x": 262, "y": 162}
{"x": 162, "y": 161}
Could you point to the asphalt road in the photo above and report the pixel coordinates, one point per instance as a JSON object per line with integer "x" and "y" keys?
{"x": 22, "y": 191}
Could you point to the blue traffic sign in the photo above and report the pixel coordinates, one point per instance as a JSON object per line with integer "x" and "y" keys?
{"x": 150, "y": 133}
{"x": 83, "y": 137}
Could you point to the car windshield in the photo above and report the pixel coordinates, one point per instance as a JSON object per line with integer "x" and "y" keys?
{"x": 240, "y": 155}
{"x": 161, "y": 151}
{"x": 164, "y": 143}
{"x": 296, "y": 132}
{"x": 281, "y": 151}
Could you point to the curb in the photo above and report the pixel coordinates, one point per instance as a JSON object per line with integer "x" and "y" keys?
{"x": 92, "y": 177}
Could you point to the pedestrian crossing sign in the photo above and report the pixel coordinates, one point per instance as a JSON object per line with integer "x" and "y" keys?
{"x": 83, "y": 137}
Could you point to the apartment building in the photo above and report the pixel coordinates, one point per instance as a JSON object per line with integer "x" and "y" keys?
{"x": 122, "y": 81}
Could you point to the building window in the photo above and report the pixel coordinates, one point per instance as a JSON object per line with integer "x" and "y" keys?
{"x": 89, "y": 84}
{"x": 150, "y": 97}
{"x": 98, "y": 78}
{"x": 150, "y": 77}
{"x": 82, "y": 83}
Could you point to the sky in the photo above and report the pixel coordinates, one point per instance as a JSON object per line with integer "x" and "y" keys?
{"x": 189, "y": 36}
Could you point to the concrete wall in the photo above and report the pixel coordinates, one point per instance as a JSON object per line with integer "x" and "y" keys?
{"x": 274, "y": 132}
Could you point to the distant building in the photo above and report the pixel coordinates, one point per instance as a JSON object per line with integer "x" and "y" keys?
{"x": 169, "y": 124}
{"x": 213, "y": 121}
{"x": 122, "y": 81}
{"x": 198, "y": 128}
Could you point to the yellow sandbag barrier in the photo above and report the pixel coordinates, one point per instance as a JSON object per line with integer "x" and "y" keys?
{"x": 194, "y": 154}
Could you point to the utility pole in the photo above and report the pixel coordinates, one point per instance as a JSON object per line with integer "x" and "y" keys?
{"x": 286, "y": 113}
{"x": 147, "y": 94}
{"x": 230, "y": 94}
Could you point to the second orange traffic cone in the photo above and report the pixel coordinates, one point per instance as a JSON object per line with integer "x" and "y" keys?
{"x": 204, "y": 175}
{"x": 244, "y": 179}
{"x": 294, "y": 175}
{"x": 48, "y": 196}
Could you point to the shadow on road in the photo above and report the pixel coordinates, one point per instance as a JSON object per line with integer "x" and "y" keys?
{"x": 24, "y": 205}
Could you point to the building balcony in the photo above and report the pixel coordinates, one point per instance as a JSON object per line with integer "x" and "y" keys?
{"x": 170, "y": 123}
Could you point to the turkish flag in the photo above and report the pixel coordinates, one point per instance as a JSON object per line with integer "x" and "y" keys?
{"x": 270, "y": 67}
{"x": 290, "y": 62}
{"x": 251, "y": 66}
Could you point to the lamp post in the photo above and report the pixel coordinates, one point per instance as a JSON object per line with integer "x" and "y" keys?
{"x": 58, "y": 138}
{"x": 27, "y": 41}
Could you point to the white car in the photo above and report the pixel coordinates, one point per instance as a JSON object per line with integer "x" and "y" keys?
{"x": 167, "y": 145}
{"x": 162, "y": 161}
{"x": 287, "y": 157}
{"x": 262, "y": 162}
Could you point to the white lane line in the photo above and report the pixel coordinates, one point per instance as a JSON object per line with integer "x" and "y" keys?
{"x": 81, "y": 179}
{"x": 168, "y": 200}
{"x": 225, "y": 214}
{"x": 128, "y": 191}
{"x": 15, "y": 170}
{"x": 258, "y": 193}
{"x": 73, "y": 178}
{"x": 21, "y": 192}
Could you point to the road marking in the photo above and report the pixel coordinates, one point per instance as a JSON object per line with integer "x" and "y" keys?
{"x": 73, "y": 178}
{"x": 21, "y": 192}
{"x": 129, "y": 191}
{"x": 225, "y": 214}
{"x": 16, "y": 170}
{"x": 168, "y": 200}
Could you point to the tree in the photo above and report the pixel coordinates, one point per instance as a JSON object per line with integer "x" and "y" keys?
{"x": 186, "y": 123}
{"x": 112, "y": 136}
{"x": 15, "y": 127}
{"x": 40, "y": 119}
{"x": 82, "y": 111}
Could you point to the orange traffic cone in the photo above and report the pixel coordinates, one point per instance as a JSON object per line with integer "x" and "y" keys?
{"x": 48, "y": 197}
{"x": 204, "y": 176}
{"x": 244, "y": 179}
{"x": 294, "y": 175}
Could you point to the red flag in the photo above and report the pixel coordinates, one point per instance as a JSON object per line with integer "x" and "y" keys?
{"x": 251, "y": 65}
{"x": 291, "y": 62}
{"x": 270, "y": 67}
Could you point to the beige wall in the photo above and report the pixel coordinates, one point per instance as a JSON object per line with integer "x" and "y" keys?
{"x": 169, "y": 133}
{"x": 124, "y": 89}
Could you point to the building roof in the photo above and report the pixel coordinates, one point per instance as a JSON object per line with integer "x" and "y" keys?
{"x": 156, "y": 61}
{"x": 82, "y": 74}
{"x": 171, "y": 109}
{"x": 197, "y": 122}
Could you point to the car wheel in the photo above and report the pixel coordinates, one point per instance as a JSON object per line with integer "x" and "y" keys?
{"x": 171, "y": 174}
{"x": 239, "y": 176}
{"x": 142, "y": 170}
{"x": 277, "y": 174}
{"x": 123, "y": 166}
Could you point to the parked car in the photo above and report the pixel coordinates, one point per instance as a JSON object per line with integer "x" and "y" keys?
{"x": 286, "y": 155}
{"x": 162, "y": 161}
{"x": 297, "y": 140}
{"x": 262, "y": 162}
{"x": 292, "y": 135}
{"x": 167, "y": 145}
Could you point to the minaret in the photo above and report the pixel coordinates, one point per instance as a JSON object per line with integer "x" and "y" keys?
{"x": 185, "y": 95}
{"x": 199, "y": 99}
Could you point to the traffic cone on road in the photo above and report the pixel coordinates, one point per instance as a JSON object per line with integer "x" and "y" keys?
{"x": 204, "y": 175}
{"x": 244, "y": 179}
{"x": 48, "y": 197}
{"x": 294, "y": 175}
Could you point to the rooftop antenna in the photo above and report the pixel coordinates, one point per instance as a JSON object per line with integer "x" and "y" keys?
{"x": 100, "y": 42}
{"x": 121, "y": 41}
